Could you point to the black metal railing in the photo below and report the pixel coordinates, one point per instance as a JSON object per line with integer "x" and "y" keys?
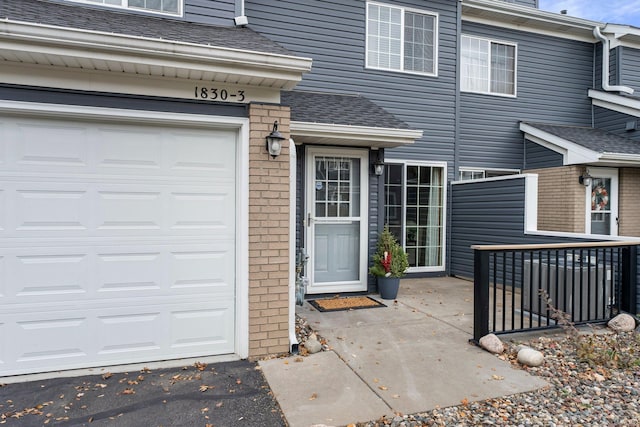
{"x": 590, "y": 282}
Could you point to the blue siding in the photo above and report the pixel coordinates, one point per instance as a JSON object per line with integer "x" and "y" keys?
{"x": 537, "y": 156}
{"x": 630, "y": 68}
{"x": 475, "y": 222}
{"x": 553, "y": 76}
{"x": 615, "y": 122}
{"x": 215, "y": 12}
{"x": 333, "y": 34}
{"x": 530, "y": 3}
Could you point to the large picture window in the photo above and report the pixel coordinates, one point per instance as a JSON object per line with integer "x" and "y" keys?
{"x": 488, "y": 66}
{"x": 401, "y": 39}
{"x": 173, "y": 7}
{"x": 414, "y": 211}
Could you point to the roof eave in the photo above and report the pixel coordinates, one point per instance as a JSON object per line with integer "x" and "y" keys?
{"x": 347, "y": 135}
{"x": 615, "y": 102}
{"x": 49, "y": 45}
{"x": 510, "y": 15}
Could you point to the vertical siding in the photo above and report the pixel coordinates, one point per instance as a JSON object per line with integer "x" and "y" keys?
{"x": 553, "y": 76}
{"x": 215, "y": 12}
{"x": 537, "y": 156}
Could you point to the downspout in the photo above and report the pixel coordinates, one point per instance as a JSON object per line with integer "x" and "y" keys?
{"x": 605, "y": 65}
{"x": 241, "y": 19}
{"x": 293, "y": 339}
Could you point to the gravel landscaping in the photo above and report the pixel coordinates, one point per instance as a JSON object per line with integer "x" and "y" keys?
{"x": 594, "y": 381}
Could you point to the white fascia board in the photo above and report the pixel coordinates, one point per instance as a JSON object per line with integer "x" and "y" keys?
{"x": 94, "y": 45}
{"x": 523, "y": 18}
{"x": 620, "y": 159}
{"x": 573, "y": 154}
{"x": 363, "y": 136}
{"x": 611, "y": 101}
{"x": 622, "y": 35}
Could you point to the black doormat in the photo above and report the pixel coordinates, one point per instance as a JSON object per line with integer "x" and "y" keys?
{"x": 344, "y": 303}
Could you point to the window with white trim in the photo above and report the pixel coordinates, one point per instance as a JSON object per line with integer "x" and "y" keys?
{"x": 172, "y": 7}
{"x": 401, "y": 39}
{"x": 414, "y": 211}
{"x": 487, "y": 66}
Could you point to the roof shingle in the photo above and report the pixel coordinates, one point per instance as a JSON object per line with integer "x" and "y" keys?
{"x": 594, "y": 139}
{"x": 339, "y": 109}
{"x": 86, "y": 17}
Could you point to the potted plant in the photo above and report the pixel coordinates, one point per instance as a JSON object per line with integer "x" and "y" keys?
{"x": 389, "y": 264}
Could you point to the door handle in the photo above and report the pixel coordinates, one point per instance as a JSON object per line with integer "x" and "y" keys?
{"x": 309, "y": 219}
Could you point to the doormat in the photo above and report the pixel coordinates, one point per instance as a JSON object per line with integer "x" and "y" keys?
{"x": 344, "y": 303}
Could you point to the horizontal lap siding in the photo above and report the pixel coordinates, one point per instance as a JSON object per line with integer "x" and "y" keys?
{"x": 492, "y": 213}
{"x": 333, "y": 34}
{"x": 553, "y": 76}
{"x": 615, "y": 122}
{"x": 214, "y": 12}
{"x": 537, "y": 156}
{"x": 629, "y": 66}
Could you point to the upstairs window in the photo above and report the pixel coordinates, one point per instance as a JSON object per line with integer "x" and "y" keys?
{"x": 400, "y": 39}
{"x": 488, "y": 66}
{"x": 172, "y": 7}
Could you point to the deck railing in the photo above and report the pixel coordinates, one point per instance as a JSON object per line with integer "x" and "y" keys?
{"x": 591, "y": 282}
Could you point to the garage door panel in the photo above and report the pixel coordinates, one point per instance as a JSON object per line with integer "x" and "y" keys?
{"x": 96, "y": 336}
{"x": 193, "y": 153}
{"x": 69, "y": 209}
{"x": 86, "y": 147}
{"x": 79, "y": 275}
{"x": 51, "y": 144}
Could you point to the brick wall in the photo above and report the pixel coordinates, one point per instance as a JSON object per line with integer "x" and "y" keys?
{"x": 629, "y": 206}
{"x": 268, "y": 234}
{"x": 561, "y": 199}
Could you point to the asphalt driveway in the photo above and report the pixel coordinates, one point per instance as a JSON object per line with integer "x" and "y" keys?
{"x": 217, "y": 395}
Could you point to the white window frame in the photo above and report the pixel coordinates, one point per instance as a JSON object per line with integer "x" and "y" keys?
{"x": 484, "y": 171}
{"x": 436, "y": 19}
{"x": 124, "y": 4}
{"x": 488, "y": 88}
{"x": 443, "y": 237}
{"x": 611, "y": 173}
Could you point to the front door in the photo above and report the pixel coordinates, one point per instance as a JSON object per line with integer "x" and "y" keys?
{"x": 602, "y": 202}
{"x": 336, "y": 219}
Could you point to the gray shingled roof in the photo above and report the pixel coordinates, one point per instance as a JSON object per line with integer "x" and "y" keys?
{"x": 87, "y": 17}
{"x": 353, "y": 110}
{"x": 594, "y": 139}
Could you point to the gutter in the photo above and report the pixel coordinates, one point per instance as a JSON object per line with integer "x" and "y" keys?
{"x": 293, "y": 339}
{"x": 605, "y": 65}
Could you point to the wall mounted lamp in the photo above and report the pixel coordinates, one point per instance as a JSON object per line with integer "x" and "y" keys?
{"x": 585, "y": 179}
{"x": 378, "y": 167}
{"x": 274, "y": 141}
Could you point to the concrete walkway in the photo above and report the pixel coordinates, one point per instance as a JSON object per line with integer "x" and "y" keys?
{"x": 409, "y": 357}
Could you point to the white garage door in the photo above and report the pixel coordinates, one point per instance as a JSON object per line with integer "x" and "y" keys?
{"x": 118, "y": 243}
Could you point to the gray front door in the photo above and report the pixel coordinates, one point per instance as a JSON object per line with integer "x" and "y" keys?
{"x": 336, "y": 217}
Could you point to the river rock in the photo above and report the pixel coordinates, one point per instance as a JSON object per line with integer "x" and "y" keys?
{"x": 312, "y": 344}
{"x": 622, "y": 323}
{"x": 492, "y": 344}
{"x": 530, "y": 357}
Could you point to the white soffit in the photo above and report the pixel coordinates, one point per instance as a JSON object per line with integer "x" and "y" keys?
{"x": 622, "y": 35}
{"x": 82, "y": 49}
{"x": 522, "y": 18}
{"x": 352, "y": 136}
{"x": 615, "y": 102}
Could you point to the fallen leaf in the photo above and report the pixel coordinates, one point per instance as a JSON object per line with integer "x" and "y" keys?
{"x": 204, "y": 388}
{"x": 314, "y": 396}
{"x": 497, "y": 377}
{"x": 465, "y": 401}
{"x": 381, "y": 387}
{"x": 129, "y": 391}
{"x": 238, "y": 381}
{"x": 200, "y": 366}
{"x": 219, "y": 405}
{"x": 107, "y": 375}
